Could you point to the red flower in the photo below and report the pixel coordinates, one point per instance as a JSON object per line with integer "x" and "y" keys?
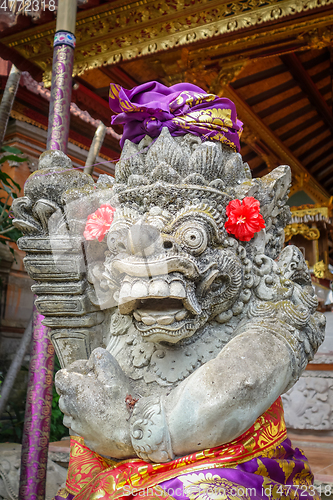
{"x": 99, "y": 223}
{"x": 244, "y": 219}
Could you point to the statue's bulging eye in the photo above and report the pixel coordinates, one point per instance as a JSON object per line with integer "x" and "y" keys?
{"x": 194, "y": 237}
{"x": 116, "y": 241}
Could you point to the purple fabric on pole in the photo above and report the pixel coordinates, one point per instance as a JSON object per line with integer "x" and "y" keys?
{"x": 183, "y": 108}
{"x": 37, "y": 413}
{"x": 286, "y": 474}
{"x": 60, "y": 102}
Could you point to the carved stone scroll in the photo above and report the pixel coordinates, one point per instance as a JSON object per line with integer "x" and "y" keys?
{"x": 55, "y": 256}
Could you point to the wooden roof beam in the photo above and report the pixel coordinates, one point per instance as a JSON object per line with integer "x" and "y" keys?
{"x": 305, "y": 82}
{"x": 271, "y": 92}
{"x": 324, "y": 143}
{"x": 318, "y": 131}
{"x": 259, "y": 129}
{"x": 300, "y": 128}
{"x": 315, "y": 165}
{"x": 281, "y": 104}
{"x": 120, "y": 74}
{"x": 258, "y": 77}
{"x": 87, "y": 100}
{"x": 281, "y": 122}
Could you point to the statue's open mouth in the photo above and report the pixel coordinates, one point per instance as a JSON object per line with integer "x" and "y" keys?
{"x": 166, "y": 319}
{"x": 134, "y": 291}
{"x": 160, "y": 312}
{"x": 164, "y": 306}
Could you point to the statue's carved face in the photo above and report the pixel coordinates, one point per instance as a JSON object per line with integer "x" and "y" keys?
{"x": 173, "y": 271}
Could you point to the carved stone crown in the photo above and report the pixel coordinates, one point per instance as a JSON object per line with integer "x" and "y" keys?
{"x": 173, "y": 172}
{"x": 185, "y": 161}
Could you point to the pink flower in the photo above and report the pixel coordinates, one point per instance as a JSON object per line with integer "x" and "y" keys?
{"x": 244, "y": 219}
{"x": 99, "y": 223}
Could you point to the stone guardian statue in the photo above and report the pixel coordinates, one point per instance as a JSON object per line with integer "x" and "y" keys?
{"x": 177, "y": 315}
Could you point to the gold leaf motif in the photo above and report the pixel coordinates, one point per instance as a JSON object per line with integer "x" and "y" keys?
{"x": 110, "y": 484}
{"x": 87, "y": 468}
{"x": 287, "y": 466}
{"x": 250, "y": 444}
{"x": 304, "y": 477}
{"x": 194, "y": 98}
{"x": 277, "y": 491}
{"x": 114, "y": 91}
{"x": 208, "y": 486}
{"x": 98, "y": 494}
{"x": 262, "y": 470}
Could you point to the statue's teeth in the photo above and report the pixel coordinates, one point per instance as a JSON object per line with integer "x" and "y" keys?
{"x": 159, "y": 288}
{"x": 177, "y": 290}
{"x": 148, "y": 320}
{"x": 125, "y": 292}
{"x": 181, "y": 315}
{"x": 126, "y": 303}
{"x": 139, "y": 290}
{"x": 137, "y": 315}
{"x": 165, "y": 320}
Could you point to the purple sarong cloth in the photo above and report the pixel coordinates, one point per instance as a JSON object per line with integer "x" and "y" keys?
{"x": 183, "y": 108}
{"x": 63, "y": 494}
{"x": 284, "y": 475}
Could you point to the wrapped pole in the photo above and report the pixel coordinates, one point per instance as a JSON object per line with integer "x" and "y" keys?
{"x": 36, "y": 432}
{"x": 95, "y": 148}
{"x": 62, "y": 68}
{"x": 8, "y": 99}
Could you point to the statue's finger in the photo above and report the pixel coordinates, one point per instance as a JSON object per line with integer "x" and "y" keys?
{"x": 106, "y": 368}
{"x": 79, "y": 366}
{"x": 69, "y": 383}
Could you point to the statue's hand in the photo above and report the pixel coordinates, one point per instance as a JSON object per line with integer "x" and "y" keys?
{"x": 92, "y": 397}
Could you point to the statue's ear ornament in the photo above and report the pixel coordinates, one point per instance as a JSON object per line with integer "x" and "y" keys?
{"x": 244, "y": 218}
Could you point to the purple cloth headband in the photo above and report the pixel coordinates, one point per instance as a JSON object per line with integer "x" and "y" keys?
{"x": 183, "y": 108}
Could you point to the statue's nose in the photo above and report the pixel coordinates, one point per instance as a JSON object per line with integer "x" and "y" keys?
{"x": 141, "y": 239}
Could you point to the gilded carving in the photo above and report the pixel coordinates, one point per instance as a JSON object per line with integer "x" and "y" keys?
{"x": 310, "y": 233}
{"x": 311, "y": 211}
{"x": 130, "y": 31}
{"x": 319, "y": 269}
{"x": 318, "y": 38}
{"x": 23, "y": 118}
{"x": 228, "y": 74}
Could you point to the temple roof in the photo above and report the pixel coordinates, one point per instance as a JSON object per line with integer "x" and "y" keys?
{"x": 272, "y": 58}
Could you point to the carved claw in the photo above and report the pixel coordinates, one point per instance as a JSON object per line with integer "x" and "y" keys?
{"x": 24, "y": 221}
{"x": 43, "y": 210}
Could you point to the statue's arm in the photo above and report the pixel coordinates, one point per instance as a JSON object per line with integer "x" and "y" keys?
{"x": 224, "y": 397}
